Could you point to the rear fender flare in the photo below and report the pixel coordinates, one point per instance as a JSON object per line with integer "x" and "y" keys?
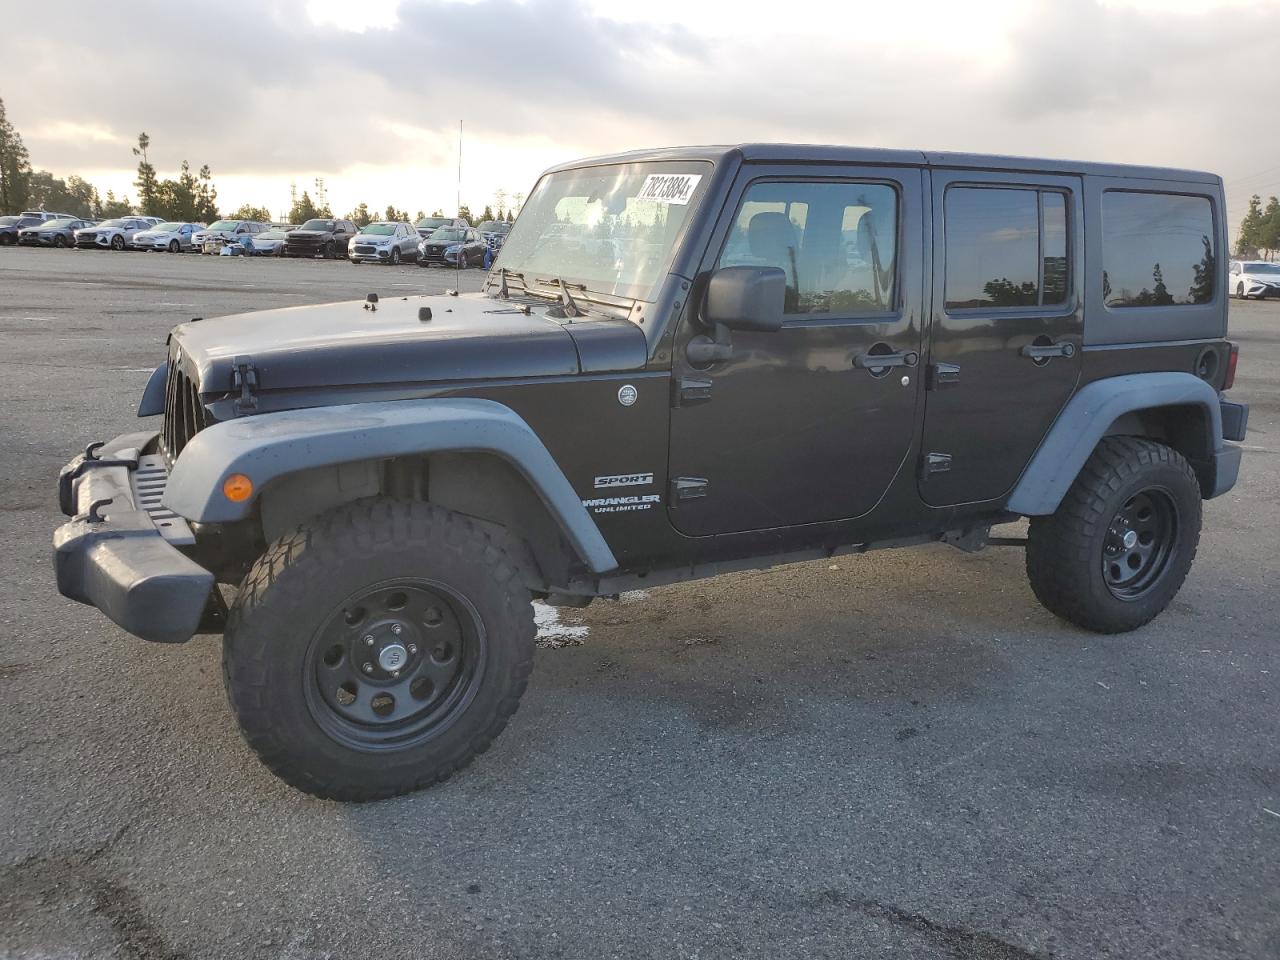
{"x": 272, "y": 445}
{"x": 1088, "y": 416}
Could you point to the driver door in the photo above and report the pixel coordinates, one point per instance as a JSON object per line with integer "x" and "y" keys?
{"x": 805, "y": 424}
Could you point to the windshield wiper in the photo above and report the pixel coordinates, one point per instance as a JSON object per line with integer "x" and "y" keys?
{"x": 568, "y": 306}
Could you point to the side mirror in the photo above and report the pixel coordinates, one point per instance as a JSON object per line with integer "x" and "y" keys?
{"x": 746, "y": 298}
{"x": 738, "y": 298}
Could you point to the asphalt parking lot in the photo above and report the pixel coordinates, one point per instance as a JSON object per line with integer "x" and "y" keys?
{"x": 898, "y": 755}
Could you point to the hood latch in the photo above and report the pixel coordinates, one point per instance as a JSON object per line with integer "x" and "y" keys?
{"x": 244, "y": 378}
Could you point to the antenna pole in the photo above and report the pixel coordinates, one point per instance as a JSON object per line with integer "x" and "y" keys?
{"x": 462, "y": 244}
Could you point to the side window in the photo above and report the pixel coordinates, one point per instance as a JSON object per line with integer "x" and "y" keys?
{"x": 1006, "y": 247}
{"x": 1157, "y": 249}
{"x": 836, "y": 242}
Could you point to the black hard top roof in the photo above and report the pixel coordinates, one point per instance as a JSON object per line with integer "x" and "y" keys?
{"x": 823, "y": 153}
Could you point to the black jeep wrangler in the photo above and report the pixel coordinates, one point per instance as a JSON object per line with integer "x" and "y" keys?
{"x": 684, "y": 362}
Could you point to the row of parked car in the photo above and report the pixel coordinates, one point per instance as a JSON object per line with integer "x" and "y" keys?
{"x": 439, "y": 240}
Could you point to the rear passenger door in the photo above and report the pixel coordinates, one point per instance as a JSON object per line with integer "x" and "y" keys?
{"x": 1007, "y": 327}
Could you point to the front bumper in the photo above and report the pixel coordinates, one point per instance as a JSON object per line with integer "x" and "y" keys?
{"x": 367, "y": 253}
{"x": 118, "y": 552}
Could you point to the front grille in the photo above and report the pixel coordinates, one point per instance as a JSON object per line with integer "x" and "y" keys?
{"x": 184, "y": 414}
{"x": 362, "y": 248}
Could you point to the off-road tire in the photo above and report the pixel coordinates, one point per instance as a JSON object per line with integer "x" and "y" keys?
{"x": 304, "y": 578}
{"x": 1065, "y": 550}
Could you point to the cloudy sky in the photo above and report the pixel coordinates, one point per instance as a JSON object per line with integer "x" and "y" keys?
{"x": 369, "y": 96}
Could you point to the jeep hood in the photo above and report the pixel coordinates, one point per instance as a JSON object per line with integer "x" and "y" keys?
{"x": 468, "y": 337}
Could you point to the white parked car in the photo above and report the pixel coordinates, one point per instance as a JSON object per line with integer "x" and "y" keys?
{"x": 384, "y": 242}
{"x": 1254, "y": 279}
{"x": 113, "y": 234}
{"x": 222, "y": 232}
{"x": 175, "y": 237}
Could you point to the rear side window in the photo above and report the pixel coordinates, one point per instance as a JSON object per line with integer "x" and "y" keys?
{"x": 835, "y": 242}
{"x": 1006, "y": 247}
{"x": 1157, "y": 249}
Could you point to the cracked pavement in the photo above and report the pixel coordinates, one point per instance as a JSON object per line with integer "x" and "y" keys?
{"x": 896, "y": 755}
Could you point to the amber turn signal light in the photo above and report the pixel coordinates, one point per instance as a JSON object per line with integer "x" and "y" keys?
{"x": 237, "y": 488}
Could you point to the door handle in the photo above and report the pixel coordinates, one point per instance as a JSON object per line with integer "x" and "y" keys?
{"x": 1047, "y": 351}
{"x": 877, "y": 361}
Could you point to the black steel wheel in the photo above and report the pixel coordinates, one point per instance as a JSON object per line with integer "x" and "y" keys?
{"x": 394, "y": 663}
{"x": 1139, "y": 540}
{"x": 403, "y": 681}
{"x": 1120, "y": 545}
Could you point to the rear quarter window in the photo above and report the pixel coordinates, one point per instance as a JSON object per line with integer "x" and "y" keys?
{"x": 1157, "y": 249}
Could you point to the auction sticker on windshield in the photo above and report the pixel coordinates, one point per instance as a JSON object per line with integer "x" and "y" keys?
{"x": 669, "y": 187}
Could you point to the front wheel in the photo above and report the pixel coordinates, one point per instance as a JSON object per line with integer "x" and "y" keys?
{"x": 59, "y": 240}
{"x": 174, "y": 246}
{"x": 1120, "y": 544}
{"x": 117, "y": 242}
{"x": 395, "y": 256}
{"x": 1240, "y": 291}
{"x": 378, "y": 649}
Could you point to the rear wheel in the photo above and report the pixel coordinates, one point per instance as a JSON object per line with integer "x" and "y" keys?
{"x": 1120, "y": 545}
{"x": 377, "y": 649}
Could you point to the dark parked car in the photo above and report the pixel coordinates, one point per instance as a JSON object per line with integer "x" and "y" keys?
{"x": 11, "y": 225}
{"x": 326, "y": 238}
{"x": 493, "y": 232}
{"x": 449, "y": 245}
{"x": 52, "y": 233}
{"x": 428, "y": 225}
{"x": 736, "y": 357}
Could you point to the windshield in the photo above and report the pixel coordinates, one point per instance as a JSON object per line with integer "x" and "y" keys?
{"x": 168, "y": 227}
{"x": 111, "y": 223}
{"x": 57, "y": 224}
{"x": 379, "y": 229}
{"x": 273, "y": 234}
{"x": 612, "y": 229}
{"x": 448, "y": 233}
{"x": 225, "y": 225}
{"x": 9, "y": 221}
{"x": 1269, "y": 268}
{"x": 492, "y": 226}
{"x": 318, "y": 225}
{"x": 430, "y": 223}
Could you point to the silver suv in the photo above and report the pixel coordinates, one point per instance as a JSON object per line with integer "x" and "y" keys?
{"x": 114, "y": 234}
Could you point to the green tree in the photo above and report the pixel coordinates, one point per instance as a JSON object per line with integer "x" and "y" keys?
{"x": 73, "y": 195}
{"x": 464, "y": 213}
{"x": 488, "y": 213}
{"x": 111, "y": 207}
{"x": 1251, "y": 229}
{"x": 303, "y": 210}
{"x": 1202, "y": 286}
{"x": 248, "y": 211}
{"x": 15, "y": 167}
{"x": 1269, "y": 231}
{"x": 206, "y": 207}
{"x": 360, "y": 215}
{"x": 420, "y": 216}
{"x": 437, "y": 212}
{"x": 146, "y": 182}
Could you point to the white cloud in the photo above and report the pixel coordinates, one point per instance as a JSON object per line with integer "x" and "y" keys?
{"x": 370, "y": 96}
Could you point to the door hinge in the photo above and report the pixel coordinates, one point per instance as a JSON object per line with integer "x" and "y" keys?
{"x": 688, "y": 488}
{"x": 942, "y": 375}
{"x": 244, "y": 378}
{"x": 934, "y": 463}
{"x": 690, "y": 390}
